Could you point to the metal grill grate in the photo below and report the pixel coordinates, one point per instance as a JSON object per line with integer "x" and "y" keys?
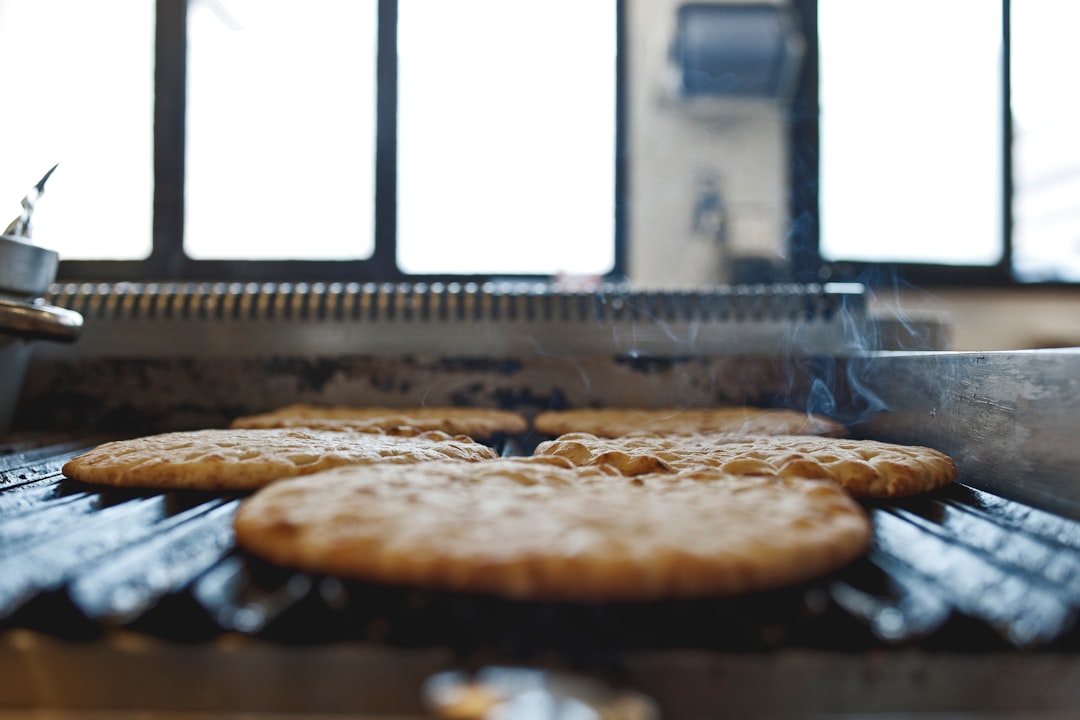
{"x": 960, "y": 569}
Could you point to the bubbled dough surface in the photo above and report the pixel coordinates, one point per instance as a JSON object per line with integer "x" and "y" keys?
{"x": 616, "y": 422}
{"x": 244, "y": 459}
{"x": 479, "y": 423}
{"x": 866, "y": 468}
{"x": 542, "y": 529}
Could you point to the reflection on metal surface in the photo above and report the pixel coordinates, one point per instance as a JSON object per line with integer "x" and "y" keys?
{"x": 514, "y": 693}
{"x": 22, "y": 226}
{"x": 1010, "y": 419}
{"x": 38, "y": 321}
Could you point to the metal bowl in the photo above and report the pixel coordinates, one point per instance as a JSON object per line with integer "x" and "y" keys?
{"x": 26, "y": 270}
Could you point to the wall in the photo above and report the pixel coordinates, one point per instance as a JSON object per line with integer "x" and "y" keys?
{"x": 672, "y": 145}
{"x": 980, "y": 319}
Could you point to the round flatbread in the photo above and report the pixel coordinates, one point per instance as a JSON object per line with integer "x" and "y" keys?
{"x": 478, "y": 423}
{"x": 541, "y": 529}
{"x": 865, "y": 468}
{"x": 250, "y": 458}
{"x": 616, "y": 422}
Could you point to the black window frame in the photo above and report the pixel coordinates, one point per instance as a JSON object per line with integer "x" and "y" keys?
{"x": 167, "y": 260}
{"x": 807, "y": 262}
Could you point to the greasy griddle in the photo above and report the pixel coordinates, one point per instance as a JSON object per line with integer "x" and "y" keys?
{"x": 967, "y": 599}
{"x": 960, "y": 569}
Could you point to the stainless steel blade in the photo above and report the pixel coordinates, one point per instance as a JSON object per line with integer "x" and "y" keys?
{"x": 1010, "y": 419}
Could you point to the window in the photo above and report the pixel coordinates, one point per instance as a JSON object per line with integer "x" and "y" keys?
{"x": 945, "y": 142}
{"x": 911, "y": 138}
{"x": 280, "y": 160}
{"x": 1046, "y": 156}
{"x": 506, "y": 137}
{"x": 78, "y": 81}
{"x": 324, "y": 139}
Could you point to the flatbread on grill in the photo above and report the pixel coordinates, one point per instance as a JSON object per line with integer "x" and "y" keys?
{"x": 542, "y": 529}
{"x": 250, "y": 458}
{"x": 865, "y": 468}
{"x": 478, "y": 423}
{"x": 616, "y": 422}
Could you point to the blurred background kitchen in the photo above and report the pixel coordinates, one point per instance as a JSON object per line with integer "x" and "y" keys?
{"x": 925, "y": 148}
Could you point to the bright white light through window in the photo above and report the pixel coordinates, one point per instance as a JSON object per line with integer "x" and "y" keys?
{"x": 78, "y": 90}
{"x": 280, "y": 129}
{"x": 1046, "y": 157}
{"x": 911, "y": 134}
{"x": 506, "y": 131}
{"x": 506, "y": 136}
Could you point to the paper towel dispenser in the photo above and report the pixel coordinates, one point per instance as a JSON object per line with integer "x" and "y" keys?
{"x": 736, "y": 50}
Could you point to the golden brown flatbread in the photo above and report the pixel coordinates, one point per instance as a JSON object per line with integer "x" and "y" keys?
{"x": 865, "y": 468}
{"x": 541, "y": 529}
{"x": 250, "y": 458}
{"x": 478, "y": 423}
{"x": 616, "y": 422}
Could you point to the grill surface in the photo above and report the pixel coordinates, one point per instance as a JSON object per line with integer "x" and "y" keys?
{"x": 135, "y": 599}
{"x": 960, "y": 570}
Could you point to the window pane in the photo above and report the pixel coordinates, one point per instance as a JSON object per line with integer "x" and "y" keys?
{"x": 506, "y": 136}
{"x": 911, "y": 134}
{"x": 78, "y": 90}
{"x": 1046, "y": 157}
{"x": 280, "y": 129}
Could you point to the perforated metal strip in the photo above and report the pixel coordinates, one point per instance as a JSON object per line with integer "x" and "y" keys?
{"x": 452, "y": 302}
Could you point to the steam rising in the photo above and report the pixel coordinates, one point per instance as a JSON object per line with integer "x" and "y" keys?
{"x": 841, "y": 386}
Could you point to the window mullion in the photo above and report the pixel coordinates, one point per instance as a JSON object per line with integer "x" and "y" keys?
{"x": 170, "y": 87}
{"x": 384, "y": 258}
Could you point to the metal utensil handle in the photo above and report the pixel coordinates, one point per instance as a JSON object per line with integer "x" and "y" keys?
{"x": 39, "y": 321}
